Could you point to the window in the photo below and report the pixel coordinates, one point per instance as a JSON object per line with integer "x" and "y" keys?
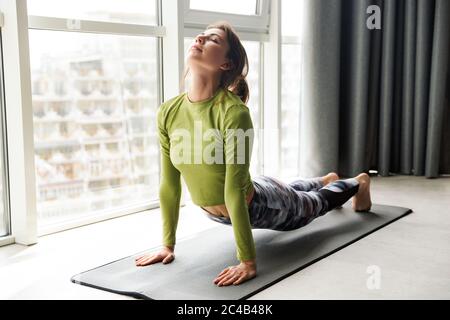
{"x": 4, "y": 211}
{"x": 290, "y": 88}
{"x": 96, "y": 71}
{"x": 231, "y": 6}
{"x": 290, "y": 11}
{"x": 94, "y": 100}
{"x": 249, "y": 16}
{"x": 129, "y": 11}
{"x": 253, "y": 50}
{"x": 290, "y": 109}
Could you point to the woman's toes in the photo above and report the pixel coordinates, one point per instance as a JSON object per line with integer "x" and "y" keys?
{"x": 334, "y": 176}
{"x": 330, "y": 177}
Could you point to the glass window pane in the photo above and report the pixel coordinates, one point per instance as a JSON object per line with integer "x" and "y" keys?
{"x": 253, "y": 78}
{"x": 4, "y": 221}
{"x": 291, "y": 13}
{"x": 129, "y": 11}
{"x": 290, "y": 108}
{"x": 94, "y": 104}
{"x": 247, "y": 7}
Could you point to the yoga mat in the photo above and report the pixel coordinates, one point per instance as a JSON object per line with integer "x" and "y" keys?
{"x": 200, "y": 258}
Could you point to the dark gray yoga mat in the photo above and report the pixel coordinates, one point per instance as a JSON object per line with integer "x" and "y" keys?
{"x": 201, "y": 258}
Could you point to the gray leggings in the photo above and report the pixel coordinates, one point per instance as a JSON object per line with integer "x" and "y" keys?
{"x": 284, "y": 206}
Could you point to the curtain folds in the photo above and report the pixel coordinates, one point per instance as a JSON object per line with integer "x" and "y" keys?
{"x": 375, "y": 99}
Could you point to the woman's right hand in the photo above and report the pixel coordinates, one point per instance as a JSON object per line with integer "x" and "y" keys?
{"x": 165, "y": 255}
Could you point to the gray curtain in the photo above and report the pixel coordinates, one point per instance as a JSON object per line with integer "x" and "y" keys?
{"x": 375, "y": 99}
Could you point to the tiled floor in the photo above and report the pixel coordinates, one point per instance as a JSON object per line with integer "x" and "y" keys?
{"x": 412, "y": 255}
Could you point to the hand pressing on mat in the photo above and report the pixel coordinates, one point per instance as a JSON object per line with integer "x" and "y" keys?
{"x": 237, "y": 274}
{"x": 166, "y": 255}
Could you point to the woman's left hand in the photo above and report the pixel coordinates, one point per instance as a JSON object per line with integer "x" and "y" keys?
{"x": 236, "y": 274}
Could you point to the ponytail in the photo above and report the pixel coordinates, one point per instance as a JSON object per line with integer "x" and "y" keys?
{"x": 240, "y": 88}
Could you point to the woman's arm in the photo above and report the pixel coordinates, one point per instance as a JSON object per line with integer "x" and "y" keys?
{"x": 169, "y": 196}
{"x": 170, "y": 185}
{"x": 237, "y": 126}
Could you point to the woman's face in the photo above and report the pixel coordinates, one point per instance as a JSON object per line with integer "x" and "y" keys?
{"x": 211, "y": 51}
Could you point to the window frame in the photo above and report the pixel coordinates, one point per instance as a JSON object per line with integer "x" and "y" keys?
{"x": 7, "y": 238}
{"x": 252, "y": 24}
{"x": 20, "y": 145}
{"x": 96, "y": 27}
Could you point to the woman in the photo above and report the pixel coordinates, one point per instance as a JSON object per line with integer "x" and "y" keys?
{"x": 216, "y": 100}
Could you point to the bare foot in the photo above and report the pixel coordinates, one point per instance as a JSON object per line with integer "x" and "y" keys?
{"x": 361, "y": 200}
{"x": 330, "y": 177}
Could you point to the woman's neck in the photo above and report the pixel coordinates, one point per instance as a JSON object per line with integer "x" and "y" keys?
{"x": 202, "y": 88}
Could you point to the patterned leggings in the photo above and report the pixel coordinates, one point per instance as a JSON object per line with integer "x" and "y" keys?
{"x": 284, "y": 206}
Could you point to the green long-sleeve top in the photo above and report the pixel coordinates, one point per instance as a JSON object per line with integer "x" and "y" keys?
{"x": 201, "y": 141}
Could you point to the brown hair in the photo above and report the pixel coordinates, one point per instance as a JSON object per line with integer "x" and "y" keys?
{"x": 233, "y": 79}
